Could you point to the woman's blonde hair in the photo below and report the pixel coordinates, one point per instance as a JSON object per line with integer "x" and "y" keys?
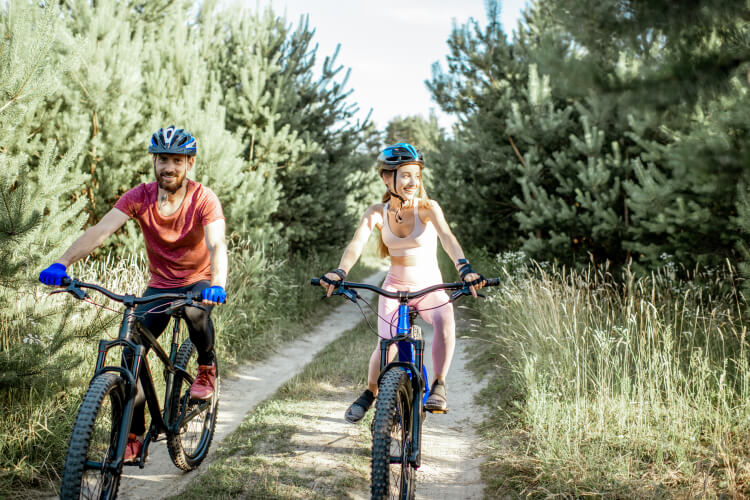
{"x": 423, "y": 200}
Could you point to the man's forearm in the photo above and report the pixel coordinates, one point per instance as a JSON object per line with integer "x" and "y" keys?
{"x": 219, "y": 266}
{"x": 84, "y": 245}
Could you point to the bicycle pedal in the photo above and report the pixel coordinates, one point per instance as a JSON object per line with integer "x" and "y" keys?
{"x": 139, "y": 463}
{"x": 437, "y": 412}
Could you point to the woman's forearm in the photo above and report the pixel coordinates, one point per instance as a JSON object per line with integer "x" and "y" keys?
{"x": 452, "y": 248}
{"x": 351, "y": 255}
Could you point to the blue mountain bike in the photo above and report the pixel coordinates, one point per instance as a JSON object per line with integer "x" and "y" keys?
{"x": 402, "y": 392}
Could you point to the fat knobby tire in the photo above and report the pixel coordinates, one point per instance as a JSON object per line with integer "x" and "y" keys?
{"x": 183, "y": 459}
{"x": 393, "y": 393}
{"x": 103, "y": 386}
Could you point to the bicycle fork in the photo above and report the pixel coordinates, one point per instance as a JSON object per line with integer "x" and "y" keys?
{"x": 130, "y": 376}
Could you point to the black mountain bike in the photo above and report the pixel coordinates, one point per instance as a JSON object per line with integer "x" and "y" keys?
{"x": 402, "y": 392}
{"x": 94, "y": 461}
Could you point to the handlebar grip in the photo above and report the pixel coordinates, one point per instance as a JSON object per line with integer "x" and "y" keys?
{"x": 65, "y": 281}
{"x": 492, "y": 281}
{"x": 315, "y": 282}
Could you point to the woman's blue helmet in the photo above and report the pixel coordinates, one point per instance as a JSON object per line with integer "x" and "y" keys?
{"x": 399, "y": 154}
{"x": 174, "y": 141}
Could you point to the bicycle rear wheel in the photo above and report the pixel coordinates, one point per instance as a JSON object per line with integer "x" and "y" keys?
{"x": 189, "y": 446}
{"x": 88, "y": 471}
{"x": 392, "y": 476}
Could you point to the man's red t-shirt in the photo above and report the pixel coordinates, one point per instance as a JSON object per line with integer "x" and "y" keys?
{"x": 176, "y": 245}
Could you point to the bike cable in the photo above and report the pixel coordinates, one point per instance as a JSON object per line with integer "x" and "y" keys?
{"x": 390, "y": 323}
{"x": 156, "y": 309}
{"x": 101, "y": 323}
{"x": 364, "y": 315}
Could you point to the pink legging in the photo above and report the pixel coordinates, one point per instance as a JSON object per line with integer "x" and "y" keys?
{"x": 434, "y": 308}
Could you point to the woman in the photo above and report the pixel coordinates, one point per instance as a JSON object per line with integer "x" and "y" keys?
{"x": 409, "y": 224}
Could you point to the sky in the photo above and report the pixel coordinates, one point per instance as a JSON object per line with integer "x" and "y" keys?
{"x": 390, "y": 45}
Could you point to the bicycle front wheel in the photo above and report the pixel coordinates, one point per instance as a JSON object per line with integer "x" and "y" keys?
{"x": 189, "y": 445}
{"x": 392, "y": 476}
{"x": 88, "y": 471}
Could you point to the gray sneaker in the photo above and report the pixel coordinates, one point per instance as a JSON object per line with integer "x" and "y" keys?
{"x": 437, "y": 401}
{"x": 358, "y": 408}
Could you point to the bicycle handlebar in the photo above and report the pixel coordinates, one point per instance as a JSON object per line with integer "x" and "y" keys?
{"x": 459, "y": 285}
{"x": 74, "y": 287}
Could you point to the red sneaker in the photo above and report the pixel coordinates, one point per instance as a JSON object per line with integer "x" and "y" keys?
{"x": 133, "y": 448}
{"x": 203, "y": 385}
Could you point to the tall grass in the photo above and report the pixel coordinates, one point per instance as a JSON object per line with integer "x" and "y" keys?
{"x": 625, "y": 387}
{"x": 269, "y": 301}
{"x": 52, "y": 342}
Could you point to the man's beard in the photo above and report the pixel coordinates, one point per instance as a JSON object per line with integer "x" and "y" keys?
{"x": 173, "y": 186}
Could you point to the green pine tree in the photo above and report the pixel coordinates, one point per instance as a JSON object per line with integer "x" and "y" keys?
{"x": 683, "y": 51}
{"x": 37, "y": 215}
{"x": 573, "y": 203}
{"x": 249, "y": 195}
{"x": 677, "y": 75}
{"x": 684, "y": 196}
{"x": 473, "y": 172}
{"x": 291, "y": 123}
{"x": 104, "y": 97}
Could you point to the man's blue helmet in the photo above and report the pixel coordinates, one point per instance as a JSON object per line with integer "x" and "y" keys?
{"x": 399, "y": 154}
{"x": 174, "y": 141}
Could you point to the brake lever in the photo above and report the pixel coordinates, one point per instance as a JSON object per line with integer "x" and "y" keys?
{"x": 346, "y": 292}
{"x": 77, "y": 292}
{"x": 350, "y": 294}
{"x": 72, "y": 289}
{"x": 178, "y": 304}
{"x": 175, "y": 306}
{"x": 464, "y": 291}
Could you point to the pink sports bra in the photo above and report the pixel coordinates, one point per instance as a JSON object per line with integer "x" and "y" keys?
{"x": 421, "y": 242}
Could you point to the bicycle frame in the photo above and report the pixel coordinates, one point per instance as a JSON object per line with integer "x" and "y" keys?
{"x": 136, "y": 367}
{"x": 135, "y": 340}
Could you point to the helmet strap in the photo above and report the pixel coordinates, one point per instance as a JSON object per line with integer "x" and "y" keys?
{"x": 399, "y": 217}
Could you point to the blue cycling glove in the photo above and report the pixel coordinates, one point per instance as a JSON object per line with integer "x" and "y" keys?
{"x": 53, "y": 275}
{"x": 214, "y": 294}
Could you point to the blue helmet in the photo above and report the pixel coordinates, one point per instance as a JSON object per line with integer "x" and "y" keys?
{"x": 399, "y": 154}
{"x": 174, "y": 141}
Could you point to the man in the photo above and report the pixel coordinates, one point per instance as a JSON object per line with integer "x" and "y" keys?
{"x": 183, "y": 226}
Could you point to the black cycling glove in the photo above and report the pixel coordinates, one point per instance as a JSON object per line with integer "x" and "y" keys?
{"x": 465, "y": 270}
{"x": 339, "y": 272}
